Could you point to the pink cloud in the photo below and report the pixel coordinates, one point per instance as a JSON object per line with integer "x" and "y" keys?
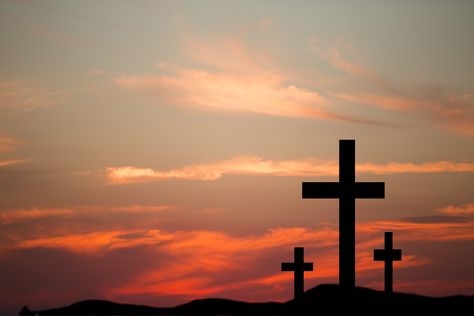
{"x": 249, "y": 165}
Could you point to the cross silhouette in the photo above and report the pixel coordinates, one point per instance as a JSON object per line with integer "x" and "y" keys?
{"x": 346, "y": 190}
{"x": 388, "y": 255}
{"x": 299, "y": 267}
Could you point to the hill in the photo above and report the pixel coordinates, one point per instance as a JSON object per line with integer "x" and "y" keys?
{"x": 325, "y": 299}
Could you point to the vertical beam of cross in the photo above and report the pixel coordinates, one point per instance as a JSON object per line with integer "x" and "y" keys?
{"x": 346, "y": 190}
{"x": 388, "y": 255}
{"x": 347, "y": 212}
{"x": 298, "y": 267}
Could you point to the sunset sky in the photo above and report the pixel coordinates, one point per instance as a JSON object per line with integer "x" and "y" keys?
{"x": 153, "y": 151}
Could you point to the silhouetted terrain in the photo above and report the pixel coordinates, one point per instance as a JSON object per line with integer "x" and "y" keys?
{"x": 325, "y": 299}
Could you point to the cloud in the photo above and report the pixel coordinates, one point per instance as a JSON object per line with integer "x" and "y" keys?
{"x": 210, "y": 262}
{"x": 198, "y": 263}
{"x": 426, "y": 167}
{"x": 257, "y": 166}
{"x": 21, "y": 215}
{"x": 247, "y": 80}
{"x": 364, "y": 86}
{"x": 179, "y": 242}
{"x": 7, "y": 143}
{"x": 264, "y": 93}
{"x": 6, "y": 163}
{"x": 336, "y": 58}
{"x": 242, "y": 80}
{"x": 407, "y": 230}
{"x": 96, "y": 242}
{"x": 455, "y": 112}
{"x": 463, "y": 210}
{"x": 15, "y": 95}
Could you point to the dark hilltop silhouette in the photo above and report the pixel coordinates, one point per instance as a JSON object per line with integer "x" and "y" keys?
{"x": 326, "y": 299}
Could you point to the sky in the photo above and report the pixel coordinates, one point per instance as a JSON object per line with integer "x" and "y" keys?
{"x": 152, "y": 152}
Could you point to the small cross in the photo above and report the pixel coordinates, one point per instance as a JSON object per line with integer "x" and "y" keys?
{"x": 347, "y": 190}
{"x": 388, "y": 255}
{"x": 299, "y": 267}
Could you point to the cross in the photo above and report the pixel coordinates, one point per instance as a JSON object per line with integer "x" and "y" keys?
{"x": 388, "y": 255}
{"x": 347, "y": 191}
{"x": 299, "y": 267}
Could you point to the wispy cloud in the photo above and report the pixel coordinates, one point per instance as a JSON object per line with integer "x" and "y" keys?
{"x": 202, "y": 262}
{"x": 463, "y": 210}
{"x": 7, "y": 143}
{"x": 333, "y": 54}
{"x": 250, "y": 165}
{"x": 9, "y": 162}
{"x": 15, "y": 95}
{"x": 451, "y": 110}
{"x": 21, "y": 215}
{"x": 245, "y": 80}
{"x": 97, "y": 242}
{"x": 240, "y": 81}
{"x": 422, "y": 231}
{"x": 455, "y": 112}
{"x": 264, "y": 93}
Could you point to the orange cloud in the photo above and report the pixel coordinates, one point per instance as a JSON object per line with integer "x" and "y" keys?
{"x": 422, "y": 231}
{"x": 13, "y": 216}
{"x": 464, "y": 210}
{"x": 216, "y": 253}
{"x": 426, "y": 167}
{"x": 7, "y": 143}
{"x": 265, "y": 93}
{"x": 97, "y": 242}
{"x": 249, "y": 165}
{"x": 239, "y": 81}
{"x": 202, "y": 263}
{"x": 18, "y": 215}
{"x": 16, "y": 95}
{"x": 6, "y": 163}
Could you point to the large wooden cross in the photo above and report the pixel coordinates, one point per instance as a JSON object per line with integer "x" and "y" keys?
{"x": 388, "y": 255}
{"x": 347, "y": 190}
{"x": 298, "y": 267}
